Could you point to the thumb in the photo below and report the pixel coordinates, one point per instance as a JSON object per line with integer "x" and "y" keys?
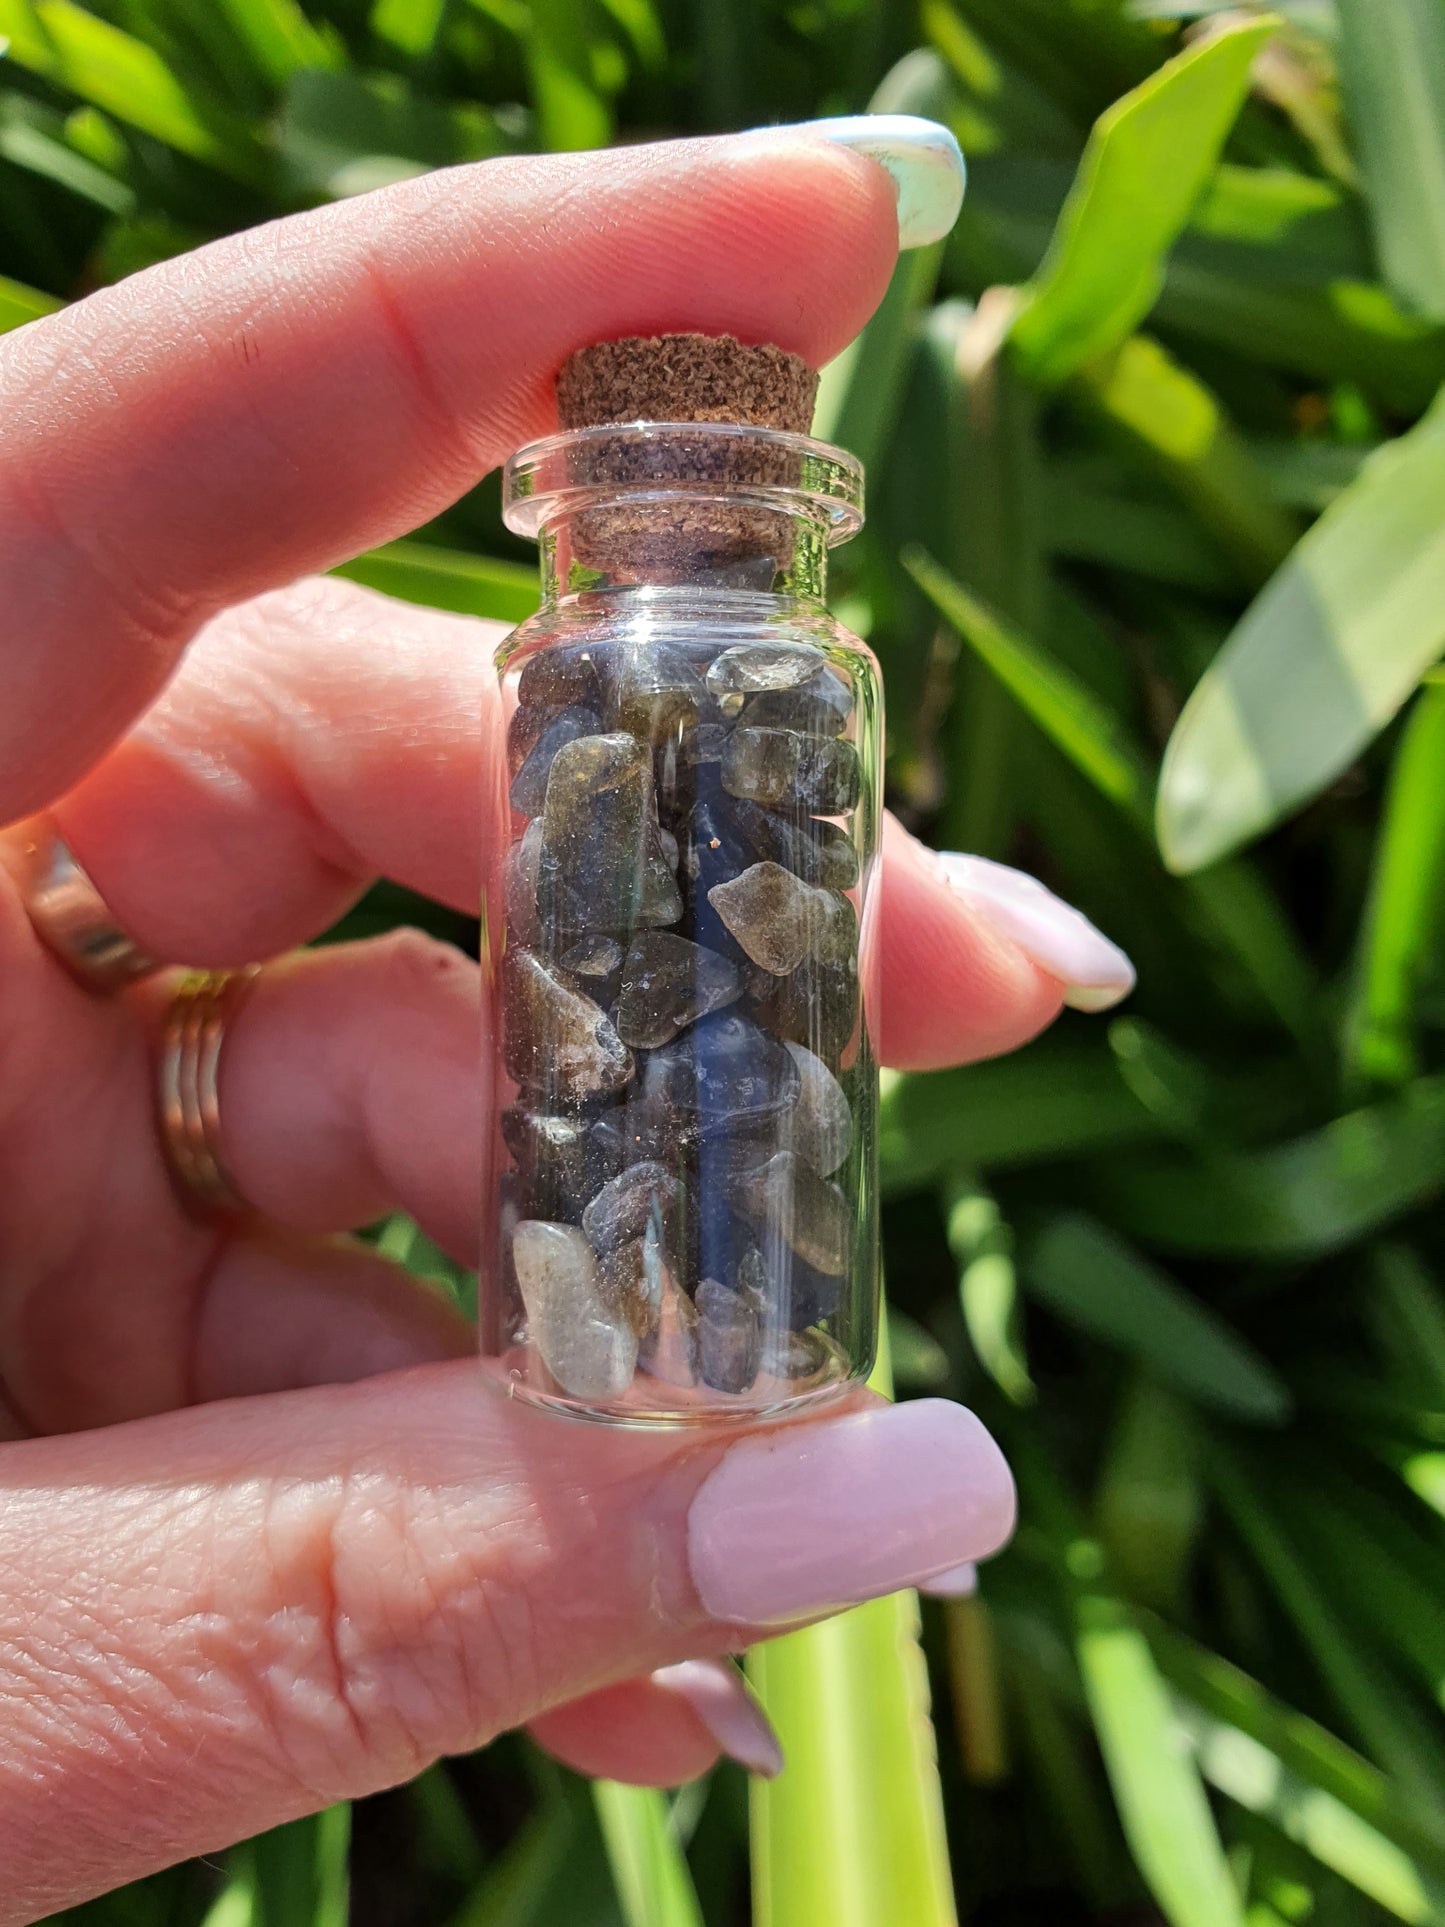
{"x": 219, "y": 1619}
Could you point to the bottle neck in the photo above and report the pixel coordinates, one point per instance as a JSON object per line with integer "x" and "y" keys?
{"x": 684, "y": 543}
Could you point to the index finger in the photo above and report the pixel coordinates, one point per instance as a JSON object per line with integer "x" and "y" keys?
{"x": 285, "y": 398}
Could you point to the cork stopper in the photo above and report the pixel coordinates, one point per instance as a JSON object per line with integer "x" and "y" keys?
{"x": 688, "y": 378}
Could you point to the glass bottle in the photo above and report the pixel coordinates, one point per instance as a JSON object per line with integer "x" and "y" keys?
{"x": 681, "y": 1209}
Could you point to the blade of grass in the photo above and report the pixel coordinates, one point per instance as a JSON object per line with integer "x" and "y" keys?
{"x": 1233, "y": 901}
{"x": 122, "y": 75}
{"x": 470, "y": 585}
{"x": 1392, "y": 62}
{"x": 235, "y": 1904}
{"x": 648, "y": 1865}
{"x": 851, "y": 1834}
{"x": 1161, "y": 1800}
{"x": 1072, "y": 716}
{"x": 1248, "y": 1773}
{"x": 553, "y": 1873}
{"x": 1162, "y": 1804}
{"x": 1146, "y": 163}
{"x": 411, "y": 26}
{"x": 300, "y": 1872}
{"x": 991, "y": 534}
{"x": 1320, "y": 662}
{"x": 1149, "y": 1501}
{"x": 1066, "y": 1778}
{"x": 1314, "y": 1194}
{"x": 1399, "y": 941}
{"x": 19, "y": 304}
{"x": 444, "y": 1836}
{"x": 1307, "y": 1751}
{"x": 280, "y": 37}
{"x": 1389, "y": 1722}
{"x": 1348, "y": 330}
{"x": 1173, "y": 420}
{"x": 571, "y": 113}
{"x": 862, "y": 388}
{"x": 1049, "y": 1102}
{"x": 982, "y": 1243}
{"x": 1091, "y": 1277}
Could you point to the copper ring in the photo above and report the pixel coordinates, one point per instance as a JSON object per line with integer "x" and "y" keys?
{"x": 193, "y": 1036}
{"x": 74, "y": 921}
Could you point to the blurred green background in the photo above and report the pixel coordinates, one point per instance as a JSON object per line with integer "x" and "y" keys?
{"x": 1156, "y": 486}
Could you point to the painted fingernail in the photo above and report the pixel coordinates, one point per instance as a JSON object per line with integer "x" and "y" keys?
{"x": 924, "y": 160}
{"x": 1059, "y": 938}
{"x": 959, "y": 1582}
{"x": 805, "y": 1518}
{"x": 722, "y": 1699}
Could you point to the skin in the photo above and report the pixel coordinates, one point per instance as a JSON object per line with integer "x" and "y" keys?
{"x": 264, "y": 1544}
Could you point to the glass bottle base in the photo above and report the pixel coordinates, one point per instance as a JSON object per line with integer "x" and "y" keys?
{"x": 518, "y": 1375}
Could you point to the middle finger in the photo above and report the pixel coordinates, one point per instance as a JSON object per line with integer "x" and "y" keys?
{"x": 323, "y": 735}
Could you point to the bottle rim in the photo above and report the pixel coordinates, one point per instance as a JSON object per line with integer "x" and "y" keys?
{"x": 649, "y": 462}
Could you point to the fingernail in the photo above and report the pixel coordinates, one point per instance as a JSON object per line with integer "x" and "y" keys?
{"x": 806, "y": 1518}
{"x": 1059, "y": 938}
{"x": 959, "y": 1582}
{"x": 722, "y": 1699}
{"x": 923, "y": 159}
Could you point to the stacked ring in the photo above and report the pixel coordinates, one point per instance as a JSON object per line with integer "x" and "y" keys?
{"x": 74, "y": 921}
{"x": 192, "y": 1037}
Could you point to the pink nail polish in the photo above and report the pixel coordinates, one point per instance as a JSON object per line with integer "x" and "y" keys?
{"x": 720, "y": 1696}
{"x": 959, "y": 1582}
{"x": 804, "y": 1518}
{"x": 1059, "y": 938}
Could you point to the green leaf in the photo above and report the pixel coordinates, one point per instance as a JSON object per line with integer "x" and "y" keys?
{"x": 1310, "y": 1195}
{"x": 1275, "y": 1761}
{"x": 34, "y": 139}
{"x": 1146, "y": 163}
{"x": 1095, "y": 1280}
{"x": 988, "y": 1287}
{"x": 235, "y": 1904}
{"x": 1154, "y": 539}
{"x": 345, "y": 133}
{"x": 1400, "y": 939}
{"x": 991, "y": 525}
{"x": 469, "y": 585}
{"x": 19, "y": 304}
{"x": 279, "y": 36}
{"x": 851, "y": 1833}
{"x": 1168, "y": 416}
{"x": 1346, "y": 330}
{"x": 411, "y": 26}
{"x": 1233, "y": 903}
{"x": 1162, "y": 1804}
{"x": 1392, "y": 61}
{"x": 552, "y": 1873}
{"x": 1149, "y": 1502}
{"x": 648, "y": 1863}
{"x": 571, "y": 113}
{"x": 1402, "y": 1734}
{"x": 1089, "y": 735}
{"x": 1047, "y": 1102}
{"x": 90, "y": 58}
{"x": 861, "y": 389}
{"x": 300, "y": 1872}
{"x": 1320, "y": 662}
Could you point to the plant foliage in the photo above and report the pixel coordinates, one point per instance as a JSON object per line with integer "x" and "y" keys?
{"x": 1154, "y": 572}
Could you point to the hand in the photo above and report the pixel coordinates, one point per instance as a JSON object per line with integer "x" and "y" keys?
{"x": 240, "y": 1576}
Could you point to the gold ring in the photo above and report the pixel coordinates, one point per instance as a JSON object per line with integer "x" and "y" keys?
{"x": 73, "y": 920}
{"x": 193, "y": 1036}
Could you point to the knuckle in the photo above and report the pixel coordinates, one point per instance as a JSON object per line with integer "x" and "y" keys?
{"x": 417, "y": 967}
{"x": 393, "y": 1639}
